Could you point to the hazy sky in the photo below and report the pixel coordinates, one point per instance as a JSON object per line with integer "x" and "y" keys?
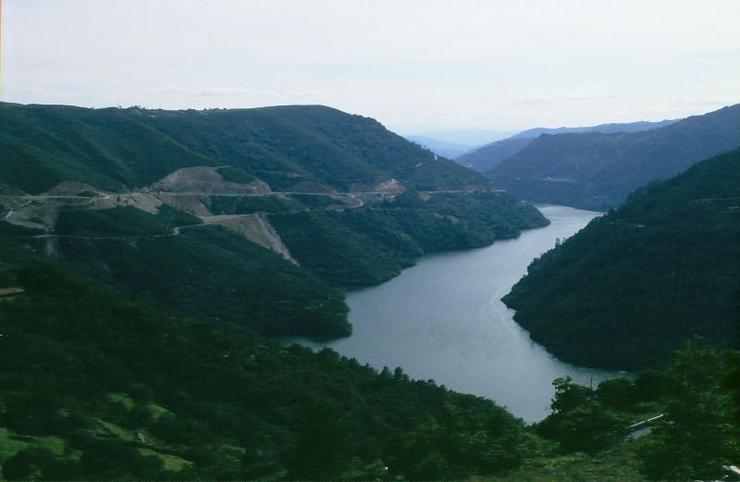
{"x": 412, "y": 64}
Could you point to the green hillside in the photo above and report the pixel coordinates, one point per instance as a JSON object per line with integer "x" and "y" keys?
{"x": 174, "y": 259}
{"x": 188, "y": 243}
{"x": 369, "y": 245}
{"x": 42, "y": 146}
{"x": 132, "y": 324}
{"x": 287, "y": 147}
{"x": 96, "y": 386}
{"x": 635, "y": 284}
{"x": 205, "y": 271}
{"x": 598, "y": 171}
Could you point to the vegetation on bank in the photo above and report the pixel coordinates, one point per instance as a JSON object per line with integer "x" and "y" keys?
{"x": 111, "y": 388}
{"x": 695, "y": 433}
{"x": 203, "y": 271}
{"x": 212, "y": 273}
{"x": 95, "y": 386}
{"x": 369, "y": 245}
{"x": 171, "y": 258}
{"x": 634, "y": 285}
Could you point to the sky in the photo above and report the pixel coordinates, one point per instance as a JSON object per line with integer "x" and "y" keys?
{"x": 415, "y": 65}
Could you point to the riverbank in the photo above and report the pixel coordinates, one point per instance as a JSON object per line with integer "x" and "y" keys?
{"x": 443, "y": 319}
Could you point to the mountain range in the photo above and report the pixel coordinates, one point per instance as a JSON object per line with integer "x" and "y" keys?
{"x": 597, "y": 171}
{"x": 486, "y": 157}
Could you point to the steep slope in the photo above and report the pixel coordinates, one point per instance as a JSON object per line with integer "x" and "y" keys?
{"x": 193, "y": 268}
{"x": 111, "y": 388}
{"x": 487, "y": 157}
{"x": 168, "y": 206}
{"x": 42, "y": 146}
{"x": 598, "y": 171}
{"x": 369, "y": 245}
{"x": 290, "y": 148}
{"x": 635, "y": 284}
{"x": 97, "y": 386}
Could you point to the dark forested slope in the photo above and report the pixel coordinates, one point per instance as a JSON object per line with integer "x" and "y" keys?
{"x": 635, "y": 284}
{"x": 598, "y": 171}
{"x": 96, "y": 386}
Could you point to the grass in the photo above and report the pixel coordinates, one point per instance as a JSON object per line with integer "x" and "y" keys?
{"x": 116, "y": 430}
{"x": 11, "y": 443}
{"x": 157, "y": 410}
{"x": 122, "y": 398}
{"x": 171, "y": 462}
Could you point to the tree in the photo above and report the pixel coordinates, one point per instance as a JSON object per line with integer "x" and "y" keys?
{"x": 697, "y": 436}
{"x": 579, "y": 422}
{"x": 39, "y": 464}
{"x": 320, "y": 451}
{"x": 617, "y": 393}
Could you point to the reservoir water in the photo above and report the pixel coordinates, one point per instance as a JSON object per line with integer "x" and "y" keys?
{"x": 443, "y": 319}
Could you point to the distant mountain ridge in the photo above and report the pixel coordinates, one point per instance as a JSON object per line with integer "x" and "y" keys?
{"x": 597, "y": 171}
{"x": 486, "y": 157}
{"x": 449, "y": 150}
{"x": 602, "y": 128}
{"x": 635, "y": 284}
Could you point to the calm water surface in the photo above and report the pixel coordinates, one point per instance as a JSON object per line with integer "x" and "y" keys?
{"x": 443, "y": 319}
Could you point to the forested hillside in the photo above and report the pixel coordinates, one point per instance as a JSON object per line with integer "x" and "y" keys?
{"x": 254, "y": 216}
{"x": 638, "y": 282}
{"x": 597, "y": 171}
{"x": 290, "y": 148}
{"x": 97, "y": 386}
{"x": 137, "y": 285}
{"x": 485, "y": 158}
{"x": 212, "y": 271}
{"x": 369, "y": 245}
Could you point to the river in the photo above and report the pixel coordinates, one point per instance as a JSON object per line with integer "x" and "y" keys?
{"x": 443, "y": 319}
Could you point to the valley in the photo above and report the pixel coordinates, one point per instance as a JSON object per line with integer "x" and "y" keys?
{"x": 443, "y": 319}
{"x": 325, "y": 199}
{"x": 188, "y": 256}
{"x": 476, "y": 241}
